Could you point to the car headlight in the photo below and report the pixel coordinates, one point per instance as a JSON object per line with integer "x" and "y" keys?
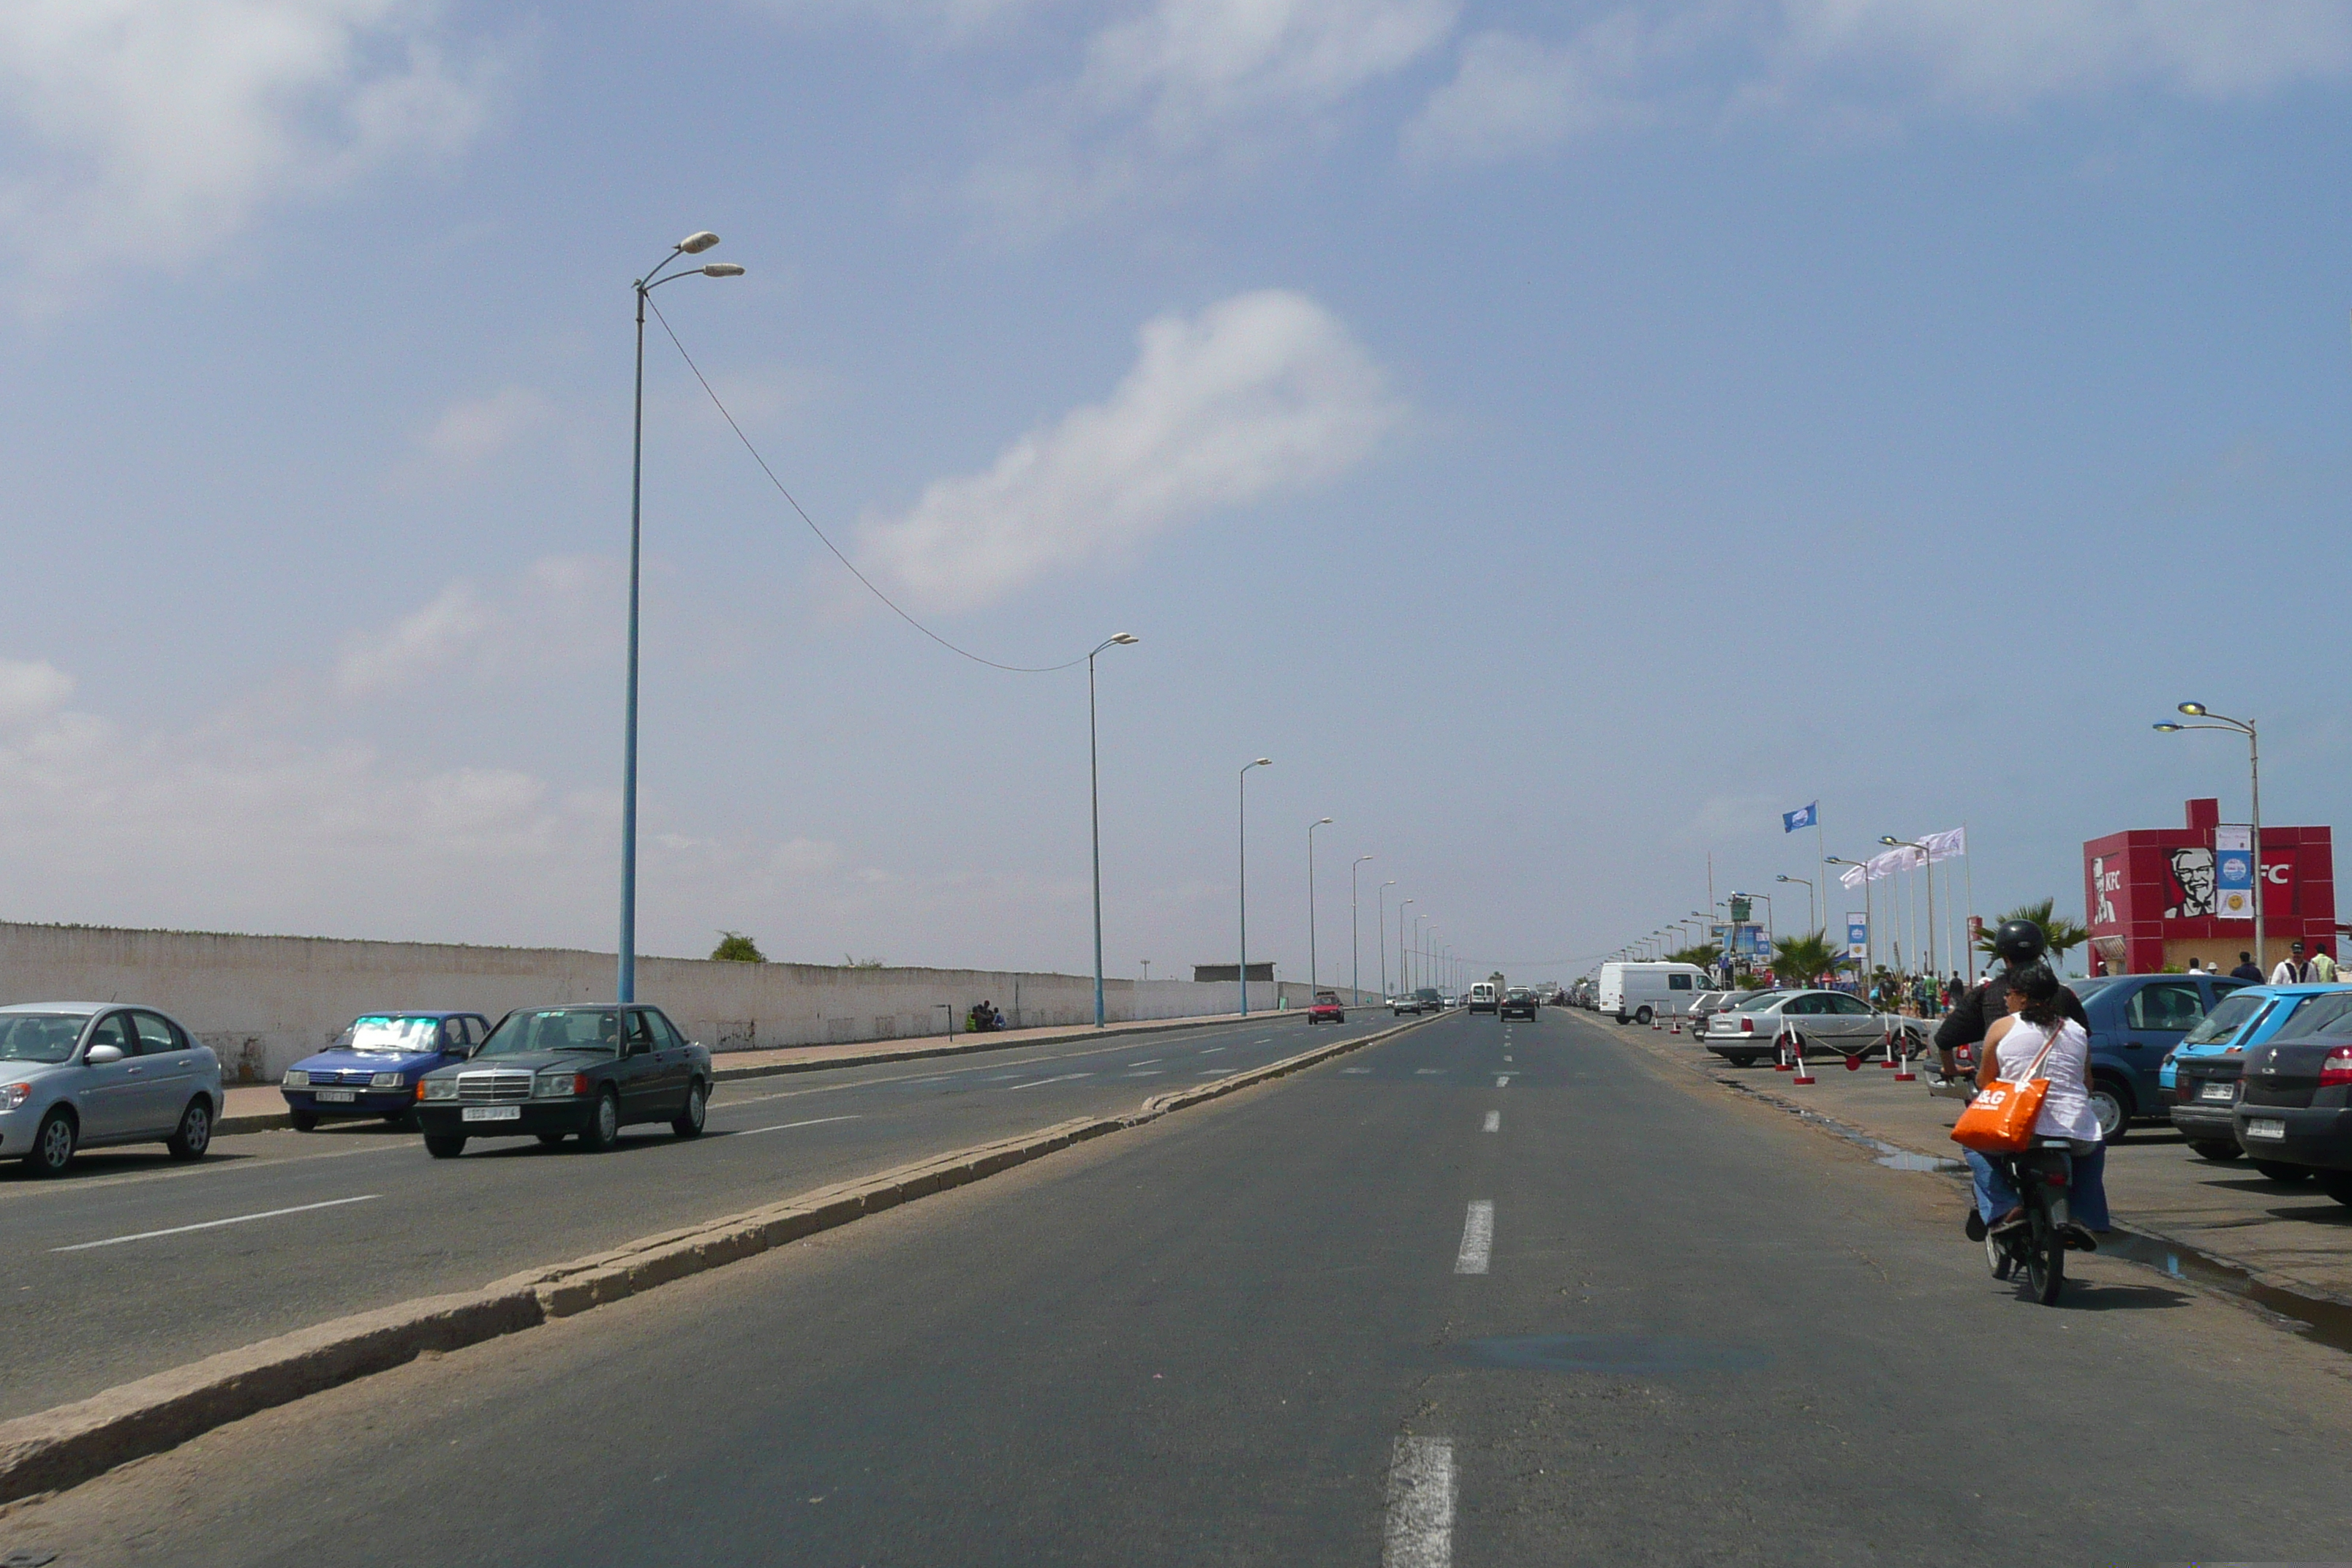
{"x": 12, "y": 1095}
{"x": 385, "y": 1080}
{"x": 561, "y": 1085}
{"x": 436, "y": 1089}
{"x": 297, "y": 1078}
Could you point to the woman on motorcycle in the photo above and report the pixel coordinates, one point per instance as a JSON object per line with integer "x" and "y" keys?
{"x": 2010, "y": 1046}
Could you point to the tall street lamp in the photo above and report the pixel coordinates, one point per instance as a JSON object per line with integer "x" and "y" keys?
{"x": 1813, "y": 920}
{"x": 1355, "y": 941}
{"x": 1927, "y": 862}
{"x": 1380, "y": 931}
{"x": 2254, "y": 764}
{"x": 1094, "y": 802}
{"x": 1314, "y": 973}
{"x": 1404, "y": 984}
{"x": 692, "y": 245}
{"x": 1261, "y": 763}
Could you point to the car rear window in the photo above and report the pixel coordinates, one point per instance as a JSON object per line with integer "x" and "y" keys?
{"x": 1757, "y": 999}
{"x": 2225, "y": 1018}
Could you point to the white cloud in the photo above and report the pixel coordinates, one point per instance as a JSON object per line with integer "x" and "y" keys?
{"x": 151, "y": 131}
{"x": 1513, "y": 95}
{"x": 530, "y": 625}
{"x": 31, "y": 690}
{"x": 1260, "y": 394}
{"x": 474, "y": 429}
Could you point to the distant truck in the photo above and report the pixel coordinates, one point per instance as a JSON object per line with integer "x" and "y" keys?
{"x": 1637, "y": 993}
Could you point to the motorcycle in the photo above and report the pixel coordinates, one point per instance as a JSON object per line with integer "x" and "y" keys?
{"x": 2038, "y": 1240}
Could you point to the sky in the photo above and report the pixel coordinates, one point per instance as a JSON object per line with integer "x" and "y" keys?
{"x": 1563, "y": 437}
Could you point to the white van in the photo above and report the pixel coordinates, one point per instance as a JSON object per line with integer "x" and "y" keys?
{"x": 1482, "y": 997}
{"x": 1636, "y": 993}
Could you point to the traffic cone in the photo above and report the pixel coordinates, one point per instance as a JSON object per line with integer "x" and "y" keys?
{"x": 1797, "y": 1049}
{"x": 1678, "y": 1028}
{"x": 1893, "y": 1060}
{"x": 1654, "y": 1022}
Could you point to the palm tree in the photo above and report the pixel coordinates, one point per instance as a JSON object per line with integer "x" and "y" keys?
{"x": 1801, "y": 960}
{"x": 2062, "y": 934}
{"x": 1704, "y": 955}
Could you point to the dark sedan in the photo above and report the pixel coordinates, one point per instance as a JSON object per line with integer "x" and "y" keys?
{"x": 2295, "y": 1105}
{"x": 552, "y": 1072}
{"x": 1519, "y": 1001}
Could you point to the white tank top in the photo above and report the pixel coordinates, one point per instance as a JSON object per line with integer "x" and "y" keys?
{"x": 2066, "y": 1110}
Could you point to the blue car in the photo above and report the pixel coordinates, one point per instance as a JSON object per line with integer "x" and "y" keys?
{"x": 371, "y": 1069}
{"x": 2137, "y": 1021}
{"x": 2202, "y": 1075}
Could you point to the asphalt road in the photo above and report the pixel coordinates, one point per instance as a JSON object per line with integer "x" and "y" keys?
{"x": 1485, "y": 1294}
{"x": 358, "y": 1215}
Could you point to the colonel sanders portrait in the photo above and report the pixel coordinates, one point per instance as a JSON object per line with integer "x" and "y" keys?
{"x": 2192, "y": 885}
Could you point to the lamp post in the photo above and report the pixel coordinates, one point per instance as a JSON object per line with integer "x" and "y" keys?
{"x": 1313, "y": 974}
{"x": 1404, "y": 984}
{"x": 1869, "y": 921}
{"x": 626, "y": 980}
{"x": 1927, "y": 861}
{"x": 1261, "y": 763}
{"x": 1355, "y": 939}
{"x": 1811, "y": 919}
{"x": 1380, "y": 933}
{"x": 1094, "y": 806}
{"x": 2254, "y": 766}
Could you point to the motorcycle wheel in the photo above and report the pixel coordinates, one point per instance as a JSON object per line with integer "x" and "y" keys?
{"x": 1997, "y": 1259}
{"x": 2045, "y": 1259}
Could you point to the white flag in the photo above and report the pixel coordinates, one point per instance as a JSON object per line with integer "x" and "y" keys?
{"x": 1944, "y": 846}
{"x": 1853, "y": 875}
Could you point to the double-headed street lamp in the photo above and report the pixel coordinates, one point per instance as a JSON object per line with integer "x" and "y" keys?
{"x": 1094, "y": 804}
{"x": 2254, "y": 766}
{"x": 1355, "y": 937}
{"x": 1261, "y": 763}
{"x": 692, "y": 245}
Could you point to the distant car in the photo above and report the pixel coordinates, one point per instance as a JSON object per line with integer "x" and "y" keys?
{"x": 2296, "y": 1109}
{"x": 1518, "y": 1001}
{"x": 1425, "y": 1000}
{"x": 1451, "y": 1001}
{"x": 1326, "y": 1009}
{"x": 84, "y": 1075}
{"x": 551, "y": 1072}
{"x": 2199, "y": 1079}
{"x": 373, "y": 1069}
{"x": 1834, "y": 1021}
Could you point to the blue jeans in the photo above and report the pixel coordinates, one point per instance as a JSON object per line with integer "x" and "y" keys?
{"x": 2086, "y": 1189}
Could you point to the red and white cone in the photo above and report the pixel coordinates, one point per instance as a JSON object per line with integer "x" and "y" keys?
{"x": 1902, "y": 1073}
{"x": 1797, "y": 1049}
{"x": 1678, "y": 1028}
{"x": 1894, "y": 1059}
{"x": 1781, "y": 1052}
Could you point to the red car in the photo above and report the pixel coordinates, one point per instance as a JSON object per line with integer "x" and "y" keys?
{"x": 1326, "y": 1009}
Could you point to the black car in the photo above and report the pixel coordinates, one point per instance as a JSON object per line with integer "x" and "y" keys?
{"x": 551, "y": 1072}
{"x": 2295, "y": 1107}
{"x": 1518, "y": 999}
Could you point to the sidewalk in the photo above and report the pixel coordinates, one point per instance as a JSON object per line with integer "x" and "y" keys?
{"x": 255, "y": 1107}
{"x": 2292, "y": 1237}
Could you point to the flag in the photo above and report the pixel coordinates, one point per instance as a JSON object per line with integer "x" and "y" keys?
{"x": 1853, "y": 876}
{"x": 1944, "y": 846}
{"x": 1804, "y": 817}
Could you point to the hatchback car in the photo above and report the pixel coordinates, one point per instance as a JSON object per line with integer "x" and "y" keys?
{"x": 1518, "y": 1001}
{"x": 2296, "y": 1107}
{"x": 2199, "y": 1078}
{"x": 1326, "y": 1009}
{"x": 372, "y": 1070}
{"x": 83, "y": 1075}
{"x": 551, "y": 1072}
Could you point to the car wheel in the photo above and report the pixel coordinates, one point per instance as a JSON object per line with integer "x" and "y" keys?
{"x": 2289, "y": 1174}
{"x": 305, "y": 1120}
{"x": 2219, "y": 1150}
{"x": 551, "y": 1139}
{"x": 604, "y": 1128}
{"x": 445, "y": 1146}
{"x": 2111, "y": 1106}
{"x": 1643, "y": 1016}
{"x": 53, "y": 1145}
{"x": 690, "y": 1120}
{"x": 2337, "y": 1184}
{"x": 194, "y": 1135}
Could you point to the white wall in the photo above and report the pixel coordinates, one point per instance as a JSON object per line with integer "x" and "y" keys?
{"x": 262, "y": 1001}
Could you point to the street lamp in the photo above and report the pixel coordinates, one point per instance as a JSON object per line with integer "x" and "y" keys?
{"x": 1093, "y": 804}
{"x": 1355, "y": 941}
{"x": 1380, "y": 931}
{"x": 1404, "y": 984}
{"x": 1313, "y": 974}
{"x": 1261, "y": 763}
{"x": 1810, "y": 914}
{"x": 1927, "y": 862}
{"x": 694, "y": 244}
{"x": 2254, "y": 764}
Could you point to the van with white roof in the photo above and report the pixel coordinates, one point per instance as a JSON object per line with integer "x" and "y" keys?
{"x": 1636, "y": 993}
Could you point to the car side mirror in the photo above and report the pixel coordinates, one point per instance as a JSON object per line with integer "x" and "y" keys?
{"x": 103, "y": 1055}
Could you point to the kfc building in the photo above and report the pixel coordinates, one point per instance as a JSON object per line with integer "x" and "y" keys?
{"x": 2158, "y": 897}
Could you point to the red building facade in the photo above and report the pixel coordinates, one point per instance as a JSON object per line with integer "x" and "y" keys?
{"x": 2155, "y": 894}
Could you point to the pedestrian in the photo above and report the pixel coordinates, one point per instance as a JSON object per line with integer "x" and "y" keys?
{"x": 2291, "y": 969}
{"x": 2196, "y": 966}
{"x": 2246, "y": 970}
{"x": 2323, "y": 967}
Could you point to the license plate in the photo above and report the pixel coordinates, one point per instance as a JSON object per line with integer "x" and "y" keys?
{"x": 2264, "y": 1127}
{"x": 2219, "y": 1091}
{"x": 493, "y": 1113}
{"x": 337, "y": 1096}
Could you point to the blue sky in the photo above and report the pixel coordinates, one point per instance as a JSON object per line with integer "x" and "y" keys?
{"x": 1562, "y": 437}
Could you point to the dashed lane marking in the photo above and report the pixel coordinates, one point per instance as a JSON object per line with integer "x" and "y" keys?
{"x": 1418, "y": 1530}
{"x": 1477, "y": 1239}
{"x": 1493, "y": 1121}
{"x": 1355, "y": 1070}
{"x": 1149, "y": 1072}
{"x": 1429, "y": 1072}
{"x": 1504, "y": 1080}
{"x": 1212, "y": 1050}
{"x": 1040, "y": 1083}
{"x": 788, "y": 1126}
{"x": 1144, "y": 1063}
{"x": 217, "y": 1223}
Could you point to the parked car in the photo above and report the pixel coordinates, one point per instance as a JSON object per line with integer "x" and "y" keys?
{"x": 1518, "y": 1001}
{"x": 2199, "y": 1078}
{"x": 550, "y": 1073}
{"x": 1326, "y": 1009}
{"x": 85, "y": 1075}
{"x": 1832, "y": 1021}
{"x": 1636, "y": 993}
{"x": 1705, "y": 1004}
{"x": 2138, "y": 1020}
{"x": 2296, "y": 1107}
{"x": 372, "y": 1070}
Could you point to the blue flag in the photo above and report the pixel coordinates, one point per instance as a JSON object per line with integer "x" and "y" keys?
{"x": 1804, "y": 817}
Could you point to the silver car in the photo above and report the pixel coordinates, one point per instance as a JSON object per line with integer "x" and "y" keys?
{"x": 1823, "y": 1021}
{"x": 79, "y": 1075}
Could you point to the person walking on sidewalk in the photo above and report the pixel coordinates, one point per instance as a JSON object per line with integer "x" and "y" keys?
{"x": 2247, "y": 970}
{"x": 2291, "y": 969}
{"x": 2323, "y": 967}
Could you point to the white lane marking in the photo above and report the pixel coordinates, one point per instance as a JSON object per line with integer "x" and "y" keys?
{"x": 217, "y": 1223}
{"x": 1144, "y": 1063}
{"x": 1506, "y": 1055}
{"x": 1504, "y": 1081}
{"x": 788, "y": 1126}
{"x": 1418, "y": 1531}
{"x": 1355, "y": 1070}
{"x": 1493, "y": 1121}
{"x": 1218, "y": 1072}
{"x": 218, "y": 1165}
{"x": 1042, "y": 1082}
{"x": 1212, "y": 1050}
{"x": 1155, "y": 1072}
{"x": 1429, "y": 1072}
{"x": 1477, "y": 1239}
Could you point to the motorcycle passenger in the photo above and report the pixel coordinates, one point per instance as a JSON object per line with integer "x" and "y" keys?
{"x": 2033, "y": 1017}
{"x": 2019, "y": 943}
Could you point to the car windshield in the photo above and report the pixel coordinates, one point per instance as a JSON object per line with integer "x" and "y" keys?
{"x": 2313, "y": 1013}
{"x": 1426, "y": 995}
{"x": 403, "y": 1036}
{"x": 2224, "y": 1019}
{"x": 594, "y": 1029}
{"x": 39, "y": 1037}
{"x": 1748, "y": 1004}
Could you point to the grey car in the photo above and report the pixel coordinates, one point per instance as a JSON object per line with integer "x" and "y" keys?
{"x": 83, "y": 1075}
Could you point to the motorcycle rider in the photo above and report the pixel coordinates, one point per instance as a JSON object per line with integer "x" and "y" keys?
{"x": 2018, "y": 944}
{"x": 2034, "y": 1019}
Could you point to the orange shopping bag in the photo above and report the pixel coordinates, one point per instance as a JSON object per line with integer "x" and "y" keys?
{"x": 2000, "y": 1120}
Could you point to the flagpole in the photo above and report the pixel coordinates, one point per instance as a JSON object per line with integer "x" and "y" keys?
{"x": 1969, "y": 869}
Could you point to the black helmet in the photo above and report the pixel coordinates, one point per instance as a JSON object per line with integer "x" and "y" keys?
{"x": 2019, "y": 942}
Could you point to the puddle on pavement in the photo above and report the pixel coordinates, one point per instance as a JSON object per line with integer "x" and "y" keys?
{"x": 1619, "y": 1355}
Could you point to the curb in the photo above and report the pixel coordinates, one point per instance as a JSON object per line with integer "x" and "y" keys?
{"x": 64, "y": 1447}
